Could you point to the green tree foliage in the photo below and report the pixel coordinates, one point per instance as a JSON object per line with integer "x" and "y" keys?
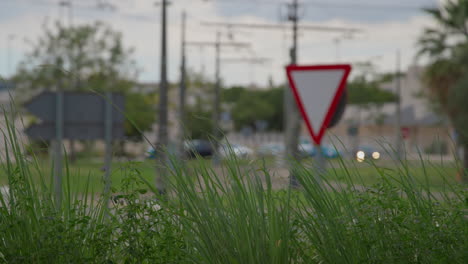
{"x": 199, "y": 123}
{"x": 83, "y": 58}
{"x": 249, "y": 106}
{"x": 139, "y": 112}
{"x": 364, "y": 93}
{"x": 446, "y": 47}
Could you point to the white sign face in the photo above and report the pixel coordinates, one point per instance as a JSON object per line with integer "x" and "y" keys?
{"x": 317, "y": 90}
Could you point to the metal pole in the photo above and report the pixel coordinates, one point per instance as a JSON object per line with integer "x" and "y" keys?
{"x": 8, "y": 56}
{"x": 183, "y": 87}
{"x": 162, "y": 135}
{"x": 58, "y": 147}
{"x": 10, "y": 39}
{"x": 217, "y": 104}
{"x": 108, "y": 139}
{"x": 292, "y": 114}
{"x": 398, "y": 107}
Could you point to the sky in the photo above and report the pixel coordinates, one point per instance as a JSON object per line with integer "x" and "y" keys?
{"x": 385, "y": 27}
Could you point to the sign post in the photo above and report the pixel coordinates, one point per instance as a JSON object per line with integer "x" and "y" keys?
{"x": 318, "y": 90}
{"x": 108, "y": 138}
{"x": 58, "y": 148}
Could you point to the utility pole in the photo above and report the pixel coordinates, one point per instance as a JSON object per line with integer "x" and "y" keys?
{"x": 398, "y": 107}
{"x": 161, "y": 145}
{"x": 183, "y": 87}
{"x": 293, "y": 118}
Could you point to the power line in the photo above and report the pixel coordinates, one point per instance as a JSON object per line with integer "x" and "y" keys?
{"x": 280, "y": 26}
{"x": 323, "y": 4}
{"x": 363, "y": 5}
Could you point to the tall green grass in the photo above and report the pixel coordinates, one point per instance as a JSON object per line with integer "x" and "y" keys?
{"x": 229, "y": 214}
{"x": 33, "y": 229}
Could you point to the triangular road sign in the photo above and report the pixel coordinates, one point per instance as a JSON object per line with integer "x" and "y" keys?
{"x": 317, "y": 90}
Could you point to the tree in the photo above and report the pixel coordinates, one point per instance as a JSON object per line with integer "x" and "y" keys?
{"x": 446, "y": 47}
{"x": 199, "y": 118}
{"x": 91, "y": 56}
{"x": 364, "y": 93}
{"x": 139, "y": 113}
{"x": 84, "y": 58}
{"x": 367, "y": 94}
{"x": 199, "y": 123}
{"x": 248, "y": 106}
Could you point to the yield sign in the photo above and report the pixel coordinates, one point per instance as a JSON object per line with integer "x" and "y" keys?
{"x": 317, "y": 90}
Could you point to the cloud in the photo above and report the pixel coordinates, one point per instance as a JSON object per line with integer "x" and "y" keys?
{"x": 139, "y": 21}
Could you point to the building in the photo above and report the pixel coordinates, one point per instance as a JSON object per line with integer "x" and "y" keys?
{"x": 421, "y": 127}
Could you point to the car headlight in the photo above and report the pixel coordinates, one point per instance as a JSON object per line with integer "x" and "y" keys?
{"x": 376, "y": 155}
{"x": 360, "y": 156}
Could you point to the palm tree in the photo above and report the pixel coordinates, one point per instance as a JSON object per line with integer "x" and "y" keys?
{"x": 446, "y": 47}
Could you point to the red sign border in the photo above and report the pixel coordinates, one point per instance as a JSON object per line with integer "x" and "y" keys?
{"x": 291, "y": 68}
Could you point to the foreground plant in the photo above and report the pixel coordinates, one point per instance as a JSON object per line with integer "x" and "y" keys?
{"x": 229, "y": 214}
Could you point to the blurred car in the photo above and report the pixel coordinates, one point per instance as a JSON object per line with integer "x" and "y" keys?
{"x": 151, "y": 152}
{"x": 306, "y": 149}
{"x": 192, "y": 148}
{"x": 271, "y": 149}
{"x": 198, "y": 147}
{"x": 328, "y": 151}
{"x": 367, "y": 152}
{"x": 237, "y": 150}
{"x": 276, "y": 149}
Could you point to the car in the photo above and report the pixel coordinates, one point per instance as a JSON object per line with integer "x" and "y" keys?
{"x": 151, "y": 152}
{"x": 240, "y": 151}
{"x": 307, "y": 149}
{"x": 198, "y": 147}
{"x": 330, "y": 152}
{"x": 192, "y": 148}
{"x": 367, "y": 152}
{"x": 271, "y": 149}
